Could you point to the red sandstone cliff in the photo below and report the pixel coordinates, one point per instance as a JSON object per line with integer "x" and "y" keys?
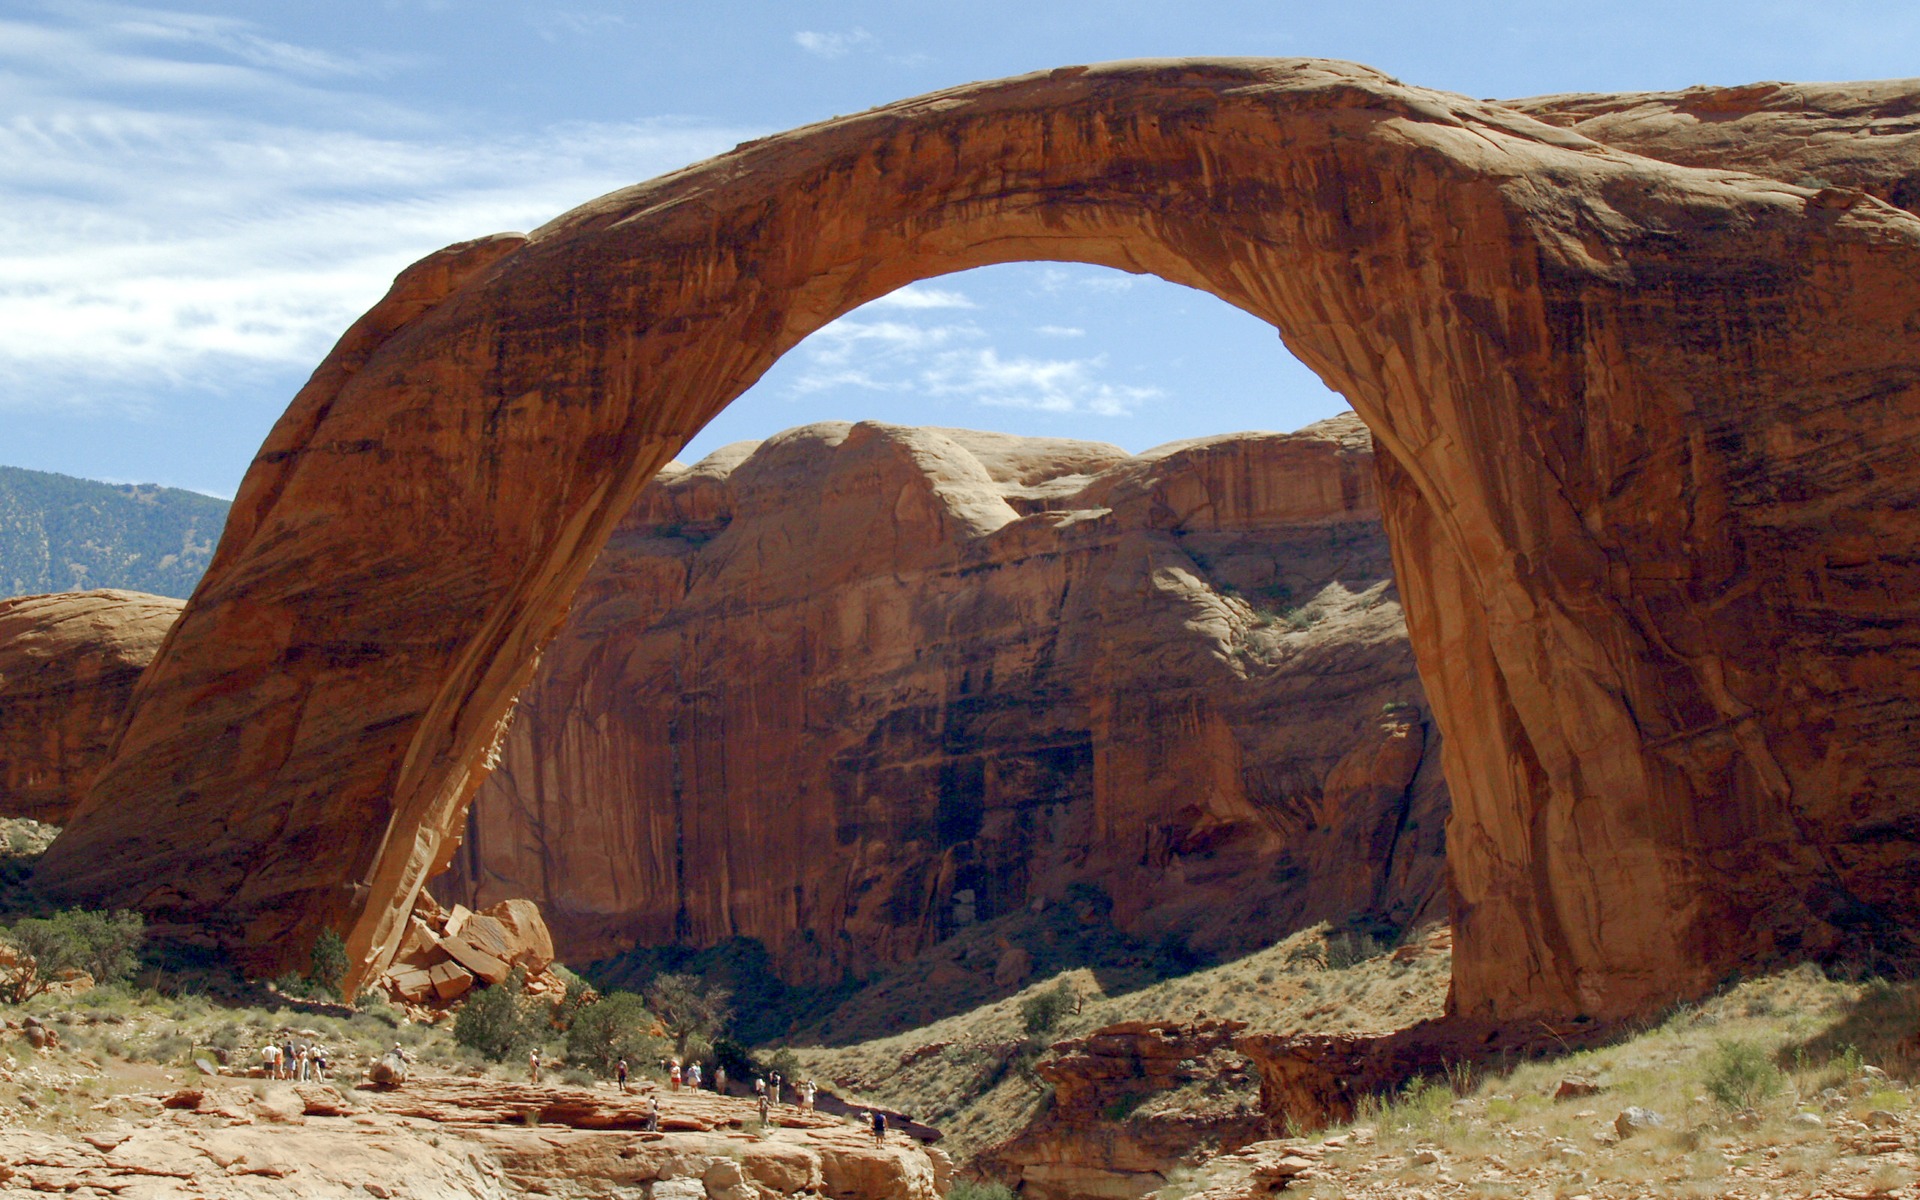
{"x": 856, "y": 687}
{"x": 68, "y": 663}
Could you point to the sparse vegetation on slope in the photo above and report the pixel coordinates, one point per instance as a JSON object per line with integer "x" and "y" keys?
{"x": 972, "y": 1074}
{"x": 1791, "y": 1085}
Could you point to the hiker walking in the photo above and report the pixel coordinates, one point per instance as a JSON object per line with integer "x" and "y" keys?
{"x": 270, "y": 1060}
{"x": 693, "y": 1077}
{"x": 533, "y": 1065}
{"x": 773, "y": 1085}
{"x": 653, "y": 1114}
{"x": 620, "y": 1073}
{"x": 286, "y": 1060}
{"x": 807, "y": 1089}
{"x": 673, "y": 1076}
{"x": 879, "y": 1127}
{"x": 720, "y": 1079}
{"x": 763, "y": 1108}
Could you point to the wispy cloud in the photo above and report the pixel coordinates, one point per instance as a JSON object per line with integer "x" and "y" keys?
{"x": 1056, "y": 280}
{"x": 835, "y": 45}
{"x": 554, "y": 24}
{"x": 1053, "y": 385}
{"x": 956, "y": 361}
{"x": 145, "y": 241}
{"x": 1060, "y": 331}
{"x": 920, "y": 295}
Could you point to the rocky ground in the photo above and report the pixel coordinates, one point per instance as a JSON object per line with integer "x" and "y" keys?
{"x": 439, "y": 1135}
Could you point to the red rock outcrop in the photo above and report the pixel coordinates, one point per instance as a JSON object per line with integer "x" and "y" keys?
{"x": 1131, "y": 1102}
{"x": 68, "y": 663}
{"x": 866, "y": 685}
{"x": 1646, "y": 435}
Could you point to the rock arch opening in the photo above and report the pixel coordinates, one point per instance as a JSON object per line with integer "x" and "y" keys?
{"x": 1037, "y": 349}
{"x": 1648, "y": 597}
{"x": 856, "y": 689}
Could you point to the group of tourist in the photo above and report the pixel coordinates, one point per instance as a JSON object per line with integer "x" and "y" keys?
{"x": 769, "y": 1086}
{"x": 299, "y": 1062}
{"x": 767, "y": 1089}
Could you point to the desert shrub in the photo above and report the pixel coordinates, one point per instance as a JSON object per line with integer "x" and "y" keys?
{"x": 374, "y": 1004}
{"x": 973, "y": 1189}
{"x": 102, "y": 944}
{"x": 1351, "y": 948}
{"x": 1739, "y": 1074}
{"x": 327, "y": 964}
{"x": 615, "y": 1026}
{"x": 495, "y": 1021}
{"x": 294, "y": 984}
{"x": 1043, "y": 1010}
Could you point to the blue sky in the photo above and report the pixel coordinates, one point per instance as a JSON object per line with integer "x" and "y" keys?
{"x": 196, "y": 199}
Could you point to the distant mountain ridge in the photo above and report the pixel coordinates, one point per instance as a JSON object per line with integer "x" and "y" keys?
{"x": 59, "y": 533}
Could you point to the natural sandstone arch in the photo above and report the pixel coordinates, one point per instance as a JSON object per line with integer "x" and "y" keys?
{"x": 1647, "y": 440}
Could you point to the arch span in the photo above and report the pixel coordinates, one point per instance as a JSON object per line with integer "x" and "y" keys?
{"x": 1646, "y": 436}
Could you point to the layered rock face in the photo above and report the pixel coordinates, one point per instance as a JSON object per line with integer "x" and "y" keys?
{"x": 1648, "y": 434}
{"x": 68, "y": 663}
{"x": 857, "y": 687}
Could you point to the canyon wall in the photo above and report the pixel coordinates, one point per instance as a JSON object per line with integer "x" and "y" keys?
{"x": 1649, "y": 443}
{"x": 68, "y": 665}
{"x": 856, "y": 687}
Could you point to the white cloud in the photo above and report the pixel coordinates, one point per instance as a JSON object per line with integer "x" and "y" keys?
{"x": 919, "y": 295}
{"x": 1060, "y": 331}
{"x": 871, "y": 355}
{"x": 955, "y": 360}
{"x": 142, "y": 244}
{"x": 1084, "y": 279}
{"x": 1046, "y": 385}
{"x": 835, "y": 45}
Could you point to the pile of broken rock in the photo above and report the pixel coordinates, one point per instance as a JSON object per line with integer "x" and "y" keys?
{"x": 446, "y": 953}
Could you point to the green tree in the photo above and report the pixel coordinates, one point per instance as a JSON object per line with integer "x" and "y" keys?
{"x": 328, "y": 964}
{"x": 613, "y": 1027}
{"x": 103, "y": 944}
{"x": 580, "y": 993}
{"x": 693, "y": 1011}
{"x": 497, "y": 1021}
